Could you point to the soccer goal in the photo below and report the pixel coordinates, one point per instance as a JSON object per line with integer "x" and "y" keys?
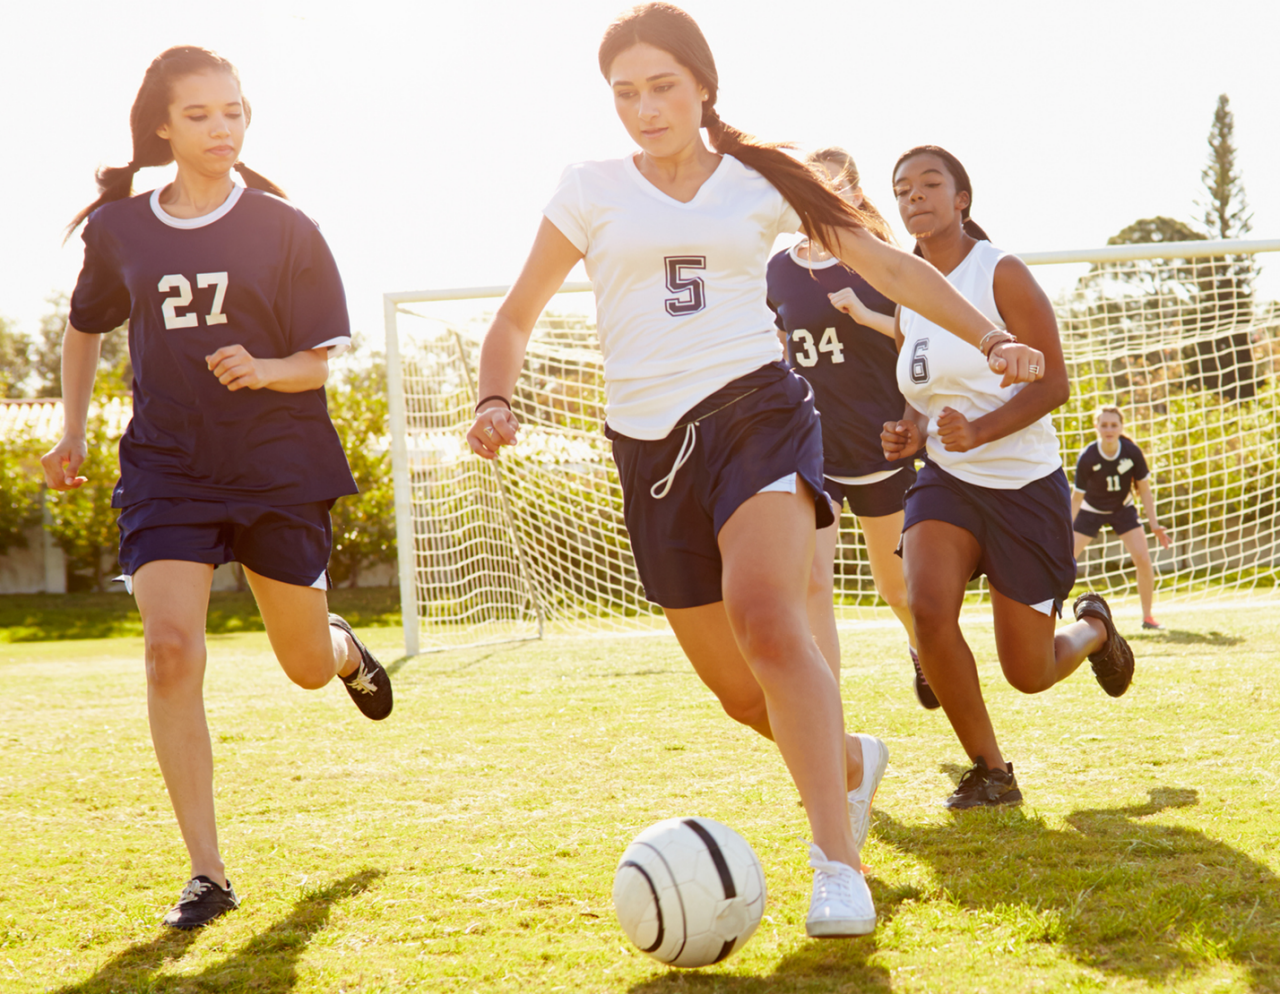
{"x": 534, "y": 542}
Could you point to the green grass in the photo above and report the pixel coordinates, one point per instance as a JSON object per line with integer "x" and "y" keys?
{"x": 56, "y": 617}
{"x": 468, "y": 843}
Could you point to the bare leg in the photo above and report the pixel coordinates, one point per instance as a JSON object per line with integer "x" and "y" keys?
{"x": 882, "y": 535}
{"x": 767, "y": 548}
{"x": 173, "y": 599}
{"x": 310, "y": 651}
{"x": 707, "y": 640}
{"x": 821, "y": 598}
{"x": 1082, "y": 543}
{"x": 938, "y": 559}
{"x": 1135, "y": 540}
{"x": 1032, "y": 655}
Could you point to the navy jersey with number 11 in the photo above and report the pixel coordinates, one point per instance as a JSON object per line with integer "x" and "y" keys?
{"x": 255, "y": 272}
{"x": 1107, "y": 483}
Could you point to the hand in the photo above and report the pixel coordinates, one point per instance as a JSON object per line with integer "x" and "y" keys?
{"x": 956, "y": 432}
{"x": 62, "y": 463}
{"x": 493, "y": 428}
{"x": 900, "y": 440}
{"x": 1159, "y": 532}
{"x": 236, "y": 369}
{"x": 847, "y": 301}
{"x": 1019, "y": 363}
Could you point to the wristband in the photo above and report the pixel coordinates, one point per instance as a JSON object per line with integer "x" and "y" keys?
{"x": 496, "y": 396}
{"x": 1009, "y": 339}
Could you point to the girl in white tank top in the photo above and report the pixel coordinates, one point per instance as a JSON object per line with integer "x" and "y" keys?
{"x": 992, "y": 497}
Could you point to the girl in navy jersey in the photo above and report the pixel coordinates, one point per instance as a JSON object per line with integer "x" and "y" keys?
{"x": 1107, "y": 473}
{"x": 839, "y": 335}
{"x": 992, "y": 497}
{"x": 717, "y": 443}
{"x": 234, "y": 305}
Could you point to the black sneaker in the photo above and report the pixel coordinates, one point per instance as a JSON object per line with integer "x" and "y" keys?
{"x": 924, "y": 693}
{"x": 370, "y": 685}
{"x": 1113, "y": 663}
{"x": 982, "y": 787}
{"x": 201, "y": 902}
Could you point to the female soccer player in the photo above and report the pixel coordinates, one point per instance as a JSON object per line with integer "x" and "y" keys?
{"x": 839, "y": 334}
{"x": 992, "y": 497}
{"x": 717, "y": 443}
{"x": 233, "y": 302}
{"x": 1107, "y": 473}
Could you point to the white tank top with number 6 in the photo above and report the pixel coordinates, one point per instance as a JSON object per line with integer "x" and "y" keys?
{"x": 937, "y": 370}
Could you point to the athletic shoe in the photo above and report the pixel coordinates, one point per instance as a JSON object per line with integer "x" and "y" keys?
{"x": 982, "y": 787}
{"x": 1113, "y": 663}
{"x": 924, "y": 693}
{"x": 370, "y": 685}
{"x": 201, "y": 902}
{"x": 1151, "y": 625}
{"x": 875, "y": 757}
{"x": 841, "y": 904}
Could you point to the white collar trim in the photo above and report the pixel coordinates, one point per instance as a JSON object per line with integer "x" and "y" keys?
{"x": 809, "y": 263}
{"x": 195, "y": 222}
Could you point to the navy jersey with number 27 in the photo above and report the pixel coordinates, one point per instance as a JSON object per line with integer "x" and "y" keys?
{"x": 255, "y": 272}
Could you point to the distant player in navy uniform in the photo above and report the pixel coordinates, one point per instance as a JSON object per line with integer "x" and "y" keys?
{"x": 839, "y": 336}
{"x": 717, "y": 443}
{"x": 992, "y": 497}
{"x": 234, "y": 304}
{"x": 1107, "y": 473}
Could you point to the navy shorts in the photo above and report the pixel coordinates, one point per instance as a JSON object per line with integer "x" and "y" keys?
{"x": 288, "y": 543}
{"x": 760, "y": 428}
{"x": 1028, "y": 553}
{"x": 1121, "y": 521}
{"x": 873, "y": 500}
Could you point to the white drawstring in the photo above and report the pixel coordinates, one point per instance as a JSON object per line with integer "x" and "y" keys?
{"x": 663, "y": 486}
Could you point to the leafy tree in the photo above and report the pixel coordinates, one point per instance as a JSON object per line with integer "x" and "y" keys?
{"x": 19, "y": 494}
{"x": 46, "y": 364}
{"x": 15, "y": 359}
{"x": 364, "y": 526}
{"x": 83, "y": 520}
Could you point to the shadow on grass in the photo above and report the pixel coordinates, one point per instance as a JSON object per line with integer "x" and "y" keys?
{"x": 1177, "y": 636}
{"x": 267, "y": 963}
{"x": 1121, "y": 895}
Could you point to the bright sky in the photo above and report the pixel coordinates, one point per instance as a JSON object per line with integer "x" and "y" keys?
{"x": 426, "y": 137}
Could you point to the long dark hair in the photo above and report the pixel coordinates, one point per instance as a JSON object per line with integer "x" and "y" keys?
{"x": 961, "y": 177}
{"x": 834, "y": 155}
{"x": 150, "y": 110}
{"x": 669, "y": 28}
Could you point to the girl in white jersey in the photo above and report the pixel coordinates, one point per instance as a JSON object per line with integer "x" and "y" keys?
{"x": 992, "y": 497}
{"x": 717, "y": 444}
{"x": 233, "y": 302}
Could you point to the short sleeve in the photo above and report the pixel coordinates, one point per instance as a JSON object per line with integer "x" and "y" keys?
{"x": 1140, "y": 468}
{"x": 566, "y": 211}
{"x": 1082, "y": 472}
{"x": 100, "y": 301}
{"x": 317, "y": 304}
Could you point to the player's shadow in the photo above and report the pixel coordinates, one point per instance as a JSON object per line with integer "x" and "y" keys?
{"x": 1143, "y": 901}
{"x": 266, "y": 964}
{"x": 1176, "y": 636}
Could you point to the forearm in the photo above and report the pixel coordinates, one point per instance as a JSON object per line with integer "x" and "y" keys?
{"x": 1148, "y": 502}
{"x": 1031, "y": 403}
{"x": 80, "y": 354}
{"x": 302, "y": 371}
{"x": 913, "y": 283}
{"x": 501, "y": 357}
{"x": 921, "y": 420}
{"x": 876, "y": 321}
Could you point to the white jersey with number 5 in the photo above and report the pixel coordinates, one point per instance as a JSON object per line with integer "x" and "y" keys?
{"x": 680, "y": 287}
{"x": 936, "y": 369}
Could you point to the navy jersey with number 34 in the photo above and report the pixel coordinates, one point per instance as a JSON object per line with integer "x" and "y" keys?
{"x": 255, "y": 272}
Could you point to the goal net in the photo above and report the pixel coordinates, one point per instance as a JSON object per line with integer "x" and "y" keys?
{"x": 535, "y": 543}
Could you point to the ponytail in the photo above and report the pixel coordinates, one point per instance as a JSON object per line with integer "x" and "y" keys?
{"x": 665, "y": 26}
{"x": 150, "y": 110}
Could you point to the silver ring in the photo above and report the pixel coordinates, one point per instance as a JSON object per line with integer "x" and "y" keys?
{"x": 488, "y": 431}
{"x": 1034, "y": 369}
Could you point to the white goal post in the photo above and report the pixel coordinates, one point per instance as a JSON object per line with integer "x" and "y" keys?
{"x": 534, "y": 542}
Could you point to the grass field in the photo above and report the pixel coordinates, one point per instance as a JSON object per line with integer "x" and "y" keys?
{"x": 468, "y": 843}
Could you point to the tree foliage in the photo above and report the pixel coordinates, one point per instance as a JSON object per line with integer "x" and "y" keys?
{"x": 19, "y": 495}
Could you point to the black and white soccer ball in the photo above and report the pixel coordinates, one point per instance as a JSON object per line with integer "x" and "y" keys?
{"x": 689, "y": 891}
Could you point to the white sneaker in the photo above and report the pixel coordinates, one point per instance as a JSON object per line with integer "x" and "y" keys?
{"x": 841, "y": 904}
{"x": 875, "y": 757}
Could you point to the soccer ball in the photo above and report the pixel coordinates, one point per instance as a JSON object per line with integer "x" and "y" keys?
{"x": 689, "y": 891}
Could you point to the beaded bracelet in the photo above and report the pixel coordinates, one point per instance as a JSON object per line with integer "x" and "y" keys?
{"x": 496, "y": 396}
{"x": 1009, "y": 339}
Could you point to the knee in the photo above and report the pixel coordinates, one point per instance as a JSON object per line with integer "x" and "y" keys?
{"x": 931, "y": 615}
{"x": 892, "y": 593}
{"x": 174, "y": 657}
{"x": 749, "y": 711}
{"x": 768, "y": 634}
{"x": 308, "y": 666}
{"x": 1027, "y": 678}
{"x": 821, "y": 582}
